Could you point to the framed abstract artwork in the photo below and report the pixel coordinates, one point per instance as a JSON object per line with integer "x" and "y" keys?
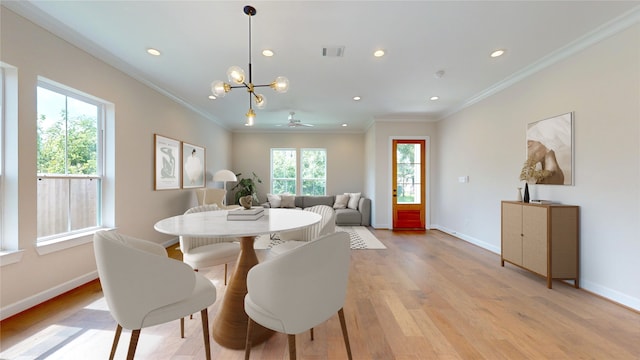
{"x": 167, "y": 163}
{"x": 193, "y": 166}
{"x": 550, "y": 150}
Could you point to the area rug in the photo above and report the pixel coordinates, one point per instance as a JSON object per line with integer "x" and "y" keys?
{"x": 361, "y": 239}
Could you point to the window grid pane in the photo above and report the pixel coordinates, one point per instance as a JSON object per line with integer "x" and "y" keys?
{"x": 314, "y": 171}
{"x": 83, "y": 192}
{"x": 283, "y": 186}
{"x": 314, "y": 187}
{"x": 283, "y": 171}
{"x": 53, "y": 206}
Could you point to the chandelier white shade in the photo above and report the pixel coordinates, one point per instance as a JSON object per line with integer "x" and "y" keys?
{"x": 238, "y": 79}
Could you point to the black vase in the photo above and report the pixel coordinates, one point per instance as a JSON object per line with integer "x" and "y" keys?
{"x": 526, "y": 193}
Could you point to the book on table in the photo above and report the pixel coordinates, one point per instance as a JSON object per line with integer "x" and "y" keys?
{"x": 241, "y": 214}
{"x": 543, "y": 202}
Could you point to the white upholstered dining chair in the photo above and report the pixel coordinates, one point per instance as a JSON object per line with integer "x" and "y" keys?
{"x": 143, "y": 287}
{"x": 300, "y": 289}
{"x": 208, "y": 196}
{"x": 295, "y": 238}
{"x": 201, "y": 252}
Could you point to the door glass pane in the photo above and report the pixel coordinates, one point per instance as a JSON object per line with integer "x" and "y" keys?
{"x": 408, "y": 174}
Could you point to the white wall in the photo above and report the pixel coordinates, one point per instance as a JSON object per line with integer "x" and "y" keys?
{"x": 486, "y": 141}
{"x": 345, "y": 157}
{"x": 139, "y": 113}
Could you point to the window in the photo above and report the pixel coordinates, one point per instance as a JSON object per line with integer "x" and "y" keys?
{"x": 283, "y": 171}
{"x": 69, "y": 165}
{"x": 312, "y": 171}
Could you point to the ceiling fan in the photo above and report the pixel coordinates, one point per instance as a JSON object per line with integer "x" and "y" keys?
{"x": 295, "y": 122}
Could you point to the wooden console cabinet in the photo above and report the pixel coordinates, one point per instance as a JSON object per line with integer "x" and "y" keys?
{"x": 543, "y": 239}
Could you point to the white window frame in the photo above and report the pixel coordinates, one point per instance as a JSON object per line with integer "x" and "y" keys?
{"x": 271, "y": 178}
{"x": 63, "y": 241}
{"x": 10, "y": 252}
{"x": 302, "y": 179}
{"x": 299, "y": 153}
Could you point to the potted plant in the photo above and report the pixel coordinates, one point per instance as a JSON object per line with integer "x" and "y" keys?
{"x": 247, "y": 186}
{"x": 531, "y": 173}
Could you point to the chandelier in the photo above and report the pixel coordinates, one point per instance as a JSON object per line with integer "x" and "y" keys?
{"x": 237, "y": 79}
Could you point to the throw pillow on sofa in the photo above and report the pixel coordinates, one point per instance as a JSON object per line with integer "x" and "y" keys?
{"x": 274, "y": 200}
{"x": 354, "y": 199}
{"x": 341, "y": 202}
{"x": 288, "y": 201}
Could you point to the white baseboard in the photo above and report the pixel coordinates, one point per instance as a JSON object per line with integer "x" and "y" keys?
{"x": 610, "y": 294}
{"x": 469, "y": 239}
{"x": 380, "y": 226}
{"x": 170, "y": 242}
{"x": 22, "y": 305}
{"x": 599, "y": 290}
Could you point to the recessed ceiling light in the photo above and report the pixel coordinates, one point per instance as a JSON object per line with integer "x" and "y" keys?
{"x": 153, "y": 52}
{"x": 267, "y": 52}
{"x": 357, "y": 98}
{"x": 344, "y": 125}
{"x": 212, "y": 97}
{"x": 497, "y": 53}
{"x": 434, "y": 98}
{"x": 378, "y": 53}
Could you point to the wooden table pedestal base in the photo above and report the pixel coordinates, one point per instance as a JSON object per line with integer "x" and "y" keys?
{"x": 230, "y": 325}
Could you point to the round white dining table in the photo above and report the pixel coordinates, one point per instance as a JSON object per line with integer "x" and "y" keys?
{"x": 229, "y": 327}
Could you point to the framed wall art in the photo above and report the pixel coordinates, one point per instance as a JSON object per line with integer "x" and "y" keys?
{"x": 550, "y": 150}
{"x": 167, "y": 163}
{"x": 193, "y": 166}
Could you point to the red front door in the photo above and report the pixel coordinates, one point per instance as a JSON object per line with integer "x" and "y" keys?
{"x": 409, "y": 184}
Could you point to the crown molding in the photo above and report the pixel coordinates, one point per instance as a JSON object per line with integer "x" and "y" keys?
{"x": 606, "y": 30}
{"x": 62, "y": 31}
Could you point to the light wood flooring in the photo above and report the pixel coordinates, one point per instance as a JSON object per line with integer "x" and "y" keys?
{"x": 428, "y": 296}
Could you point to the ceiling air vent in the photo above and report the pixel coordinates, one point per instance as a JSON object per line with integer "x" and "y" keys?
{"x": 333, "y": 51}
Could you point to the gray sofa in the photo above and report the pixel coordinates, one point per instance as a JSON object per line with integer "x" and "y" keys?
{"x": 344, "y": 217}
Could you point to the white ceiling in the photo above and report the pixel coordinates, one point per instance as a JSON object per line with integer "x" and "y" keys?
{"x": 199, "y": 40}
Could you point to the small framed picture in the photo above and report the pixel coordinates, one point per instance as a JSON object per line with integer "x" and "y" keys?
{"x": 167, "y": 163}
{"x": 193, "y": 166}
